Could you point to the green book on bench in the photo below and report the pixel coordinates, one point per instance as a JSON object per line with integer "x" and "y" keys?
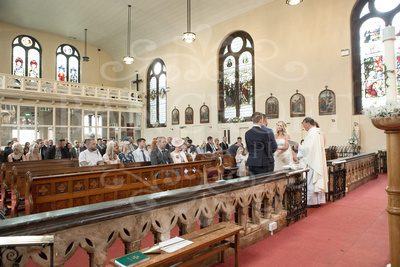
{"x": 132, "y": 259}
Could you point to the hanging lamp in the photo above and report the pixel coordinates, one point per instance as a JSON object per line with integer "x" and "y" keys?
{"x": 85, "y": 58}
{"x": 188, "y": 37}
{"x": 128, "y": 59}
{"x": 293, "y": 2}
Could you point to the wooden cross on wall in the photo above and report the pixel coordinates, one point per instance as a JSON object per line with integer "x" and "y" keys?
{"x": 137, "y": 81}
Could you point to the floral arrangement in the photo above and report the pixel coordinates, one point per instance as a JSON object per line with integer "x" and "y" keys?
{"x": 236, "y": 120}
{"x": 391, "y": 109}
{"x": 353, "y": 141}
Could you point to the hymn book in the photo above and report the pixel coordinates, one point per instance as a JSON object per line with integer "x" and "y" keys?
{"x": 132, "y": 259}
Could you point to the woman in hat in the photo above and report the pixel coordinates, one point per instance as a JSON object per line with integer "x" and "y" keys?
{"x": 177, "y": 155}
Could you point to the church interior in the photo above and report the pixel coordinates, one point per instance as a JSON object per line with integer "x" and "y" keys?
{"x": 286, "y": 61}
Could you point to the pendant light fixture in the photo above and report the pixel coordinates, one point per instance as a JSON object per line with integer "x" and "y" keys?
{"x": 128, "y": 59}
{"x": 85, "y": 58}
{"x": 188, "y": 37}
{"x": 293, "y": 2}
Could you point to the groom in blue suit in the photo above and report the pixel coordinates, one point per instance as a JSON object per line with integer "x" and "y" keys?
{"x": 259, "y": 145}
{"x": 273, "y": 145}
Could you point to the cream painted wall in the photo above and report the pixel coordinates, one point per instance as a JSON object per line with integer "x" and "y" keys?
{"x": 90, "y": 71}
{"x": 296, "y": 48}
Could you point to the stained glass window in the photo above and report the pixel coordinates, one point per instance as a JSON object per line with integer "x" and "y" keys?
{"x": 67, "y": 65}
{"x": 26, "y": 57}
{"x": 369, "y": 17}
{"x": 236, "y": 90}
{"x": 157, "y": 94}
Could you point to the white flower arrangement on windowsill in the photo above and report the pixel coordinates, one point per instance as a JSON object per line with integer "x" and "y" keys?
{"x": 390, "y": 110}
{"x": 236, "y": 120}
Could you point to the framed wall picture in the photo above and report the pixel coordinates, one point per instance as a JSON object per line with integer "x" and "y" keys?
{"x": 204, "y": 114}
{"x": 327, "y": 102}
{"x": 189, "y": 115}
{"x": 297, "y": 105}
{"x": 175, "y": 116}
{"x": 272, "y": 107}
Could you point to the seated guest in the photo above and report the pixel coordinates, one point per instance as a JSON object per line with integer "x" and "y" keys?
{"x": 42, "y": 147}
{"x": 33, "y": 153}
{"x": 100, "y": 146}
{"x": 2, "y": 158}
{"x": 111, "y": 156}
{"x": 191, "y": 147}
{"x": 141, "y": 154}
{"x": 58, "y": 151}
{"x": 169, "y": 144}
{"x": 126, "y": 155}
{"x": 17, "y": 154}
{"x": 217, "y": 144}
{"x": 26, "y": 148}
{"x": 210, "y": 145}
{"x": 68, "y": 147}
{"x": 234, "y": 148}
{"x": 160, "y": 155}
{"x": 153, "y": 145}
{"x": 202, "y": 148}
{"x": 224, "y": 144}
{"x": 178, "y": 156}
{"x": 75, "y": 150}
{"x": 91, "y": 156}
{"x": 8, "y": 150}
{"x": 148, "y": 148}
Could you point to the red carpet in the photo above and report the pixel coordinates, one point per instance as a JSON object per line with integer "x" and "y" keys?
{"x": 352, "y": 231}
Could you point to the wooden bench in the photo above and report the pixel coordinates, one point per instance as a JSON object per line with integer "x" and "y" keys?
{"x": 56, "y": 192}
{"x": 206, "y": 242}
{"x": 226, "y": 166}
{"x": 16, "y": 179}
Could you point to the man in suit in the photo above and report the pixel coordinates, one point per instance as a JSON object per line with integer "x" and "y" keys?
{"x": 75, "y": 150}
{"x": 161, "y": 155}
{"x": 210, "y": 147}
{"x": 141, "y": 154}
{"x": 258, "y": 145}
{"x": 169, "y": 145}
{"x": 224, "y": 144}
{"x": 234, "y": 148}
{"x": 57, "y": 152}
{"x": 42, "y": 147}
{"x": 8, "y": 149}
{"x": 273, "y": 143}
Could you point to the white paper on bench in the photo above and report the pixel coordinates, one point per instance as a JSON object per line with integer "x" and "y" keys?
{"x": 174, "y": 244}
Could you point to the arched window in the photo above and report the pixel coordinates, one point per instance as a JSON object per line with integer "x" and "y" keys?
{"x": 368, "y": 18}
{"x": 157, "y": 94}
{"x": 68, "y": 64}
{"x": 27, "y": 57}
{"x": 236, "y": 77}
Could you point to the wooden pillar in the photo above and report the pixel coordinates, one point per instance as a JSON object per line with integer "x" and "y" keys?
{"x": 393, "y": 190}
{"x": 392, "y": 131}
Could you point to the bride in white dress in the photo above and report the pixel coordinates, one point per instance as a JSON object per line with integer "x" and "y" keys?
{"x": 283, "y": 155}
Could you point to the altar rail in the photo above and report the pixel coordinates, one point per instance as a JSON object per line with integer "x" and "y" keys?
{"x": 46, "y": 87}
{"x": 350, "y": 173}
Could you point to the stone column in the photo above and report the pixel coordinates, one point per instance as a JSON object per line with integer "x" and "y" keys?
{"x": 392, "y": 131}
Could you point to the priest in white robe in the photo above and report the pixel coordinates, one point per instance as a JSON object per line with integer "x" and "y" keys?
{"x": 313, "y": 151}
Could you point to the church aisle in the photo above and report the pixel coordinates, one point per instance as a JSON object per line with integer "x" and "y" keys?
{"x": 352, "y": 231}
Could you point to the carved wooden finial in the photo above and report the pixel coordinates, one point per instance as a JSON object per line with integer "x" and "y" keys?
{"x": 204, "y": 103}
{"x": 189, "y": 105}
{"x": 297, "y": 91}
{"x": 326, "y": 87}
{"x": 271, "y": 94}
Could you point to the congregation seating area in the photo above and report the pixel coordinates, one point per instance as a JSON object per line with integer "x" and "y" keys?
{"x": 173, "y": 195}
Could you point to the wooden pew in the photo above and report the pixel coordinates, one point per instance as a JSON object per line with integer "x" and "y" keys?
{"x": 19, "y": 178}
{"x": 227, "y": 167}
{"x": 55, "y": 192}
